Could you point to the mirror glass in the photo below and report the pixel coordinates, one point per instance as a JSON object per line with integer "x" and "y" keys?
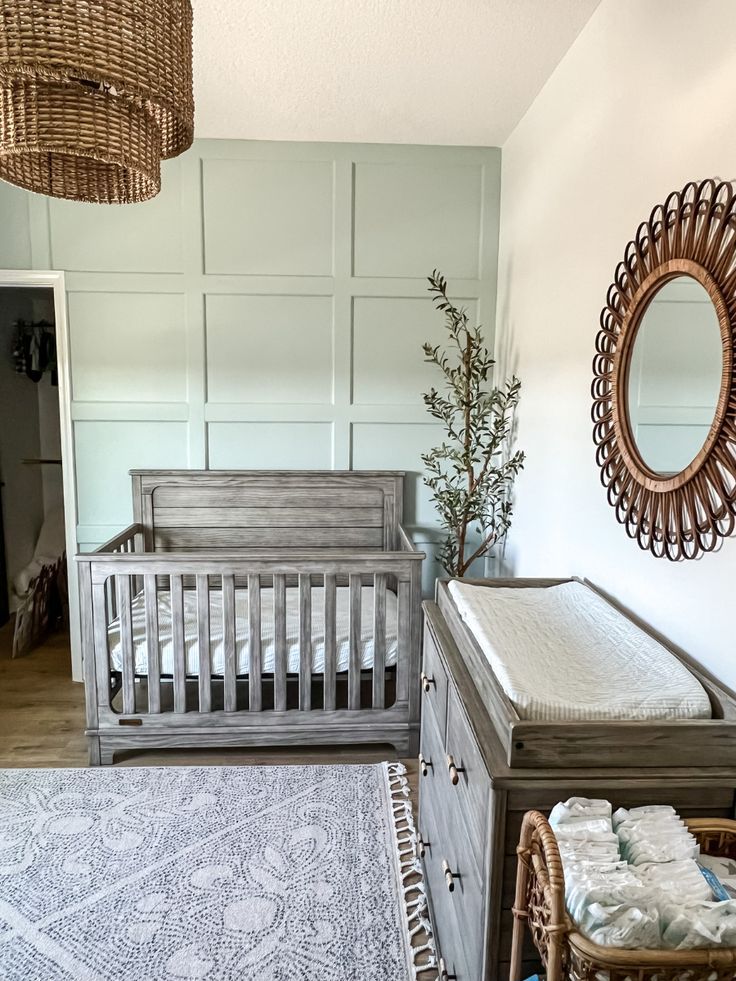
{"x": 675, "y": 376}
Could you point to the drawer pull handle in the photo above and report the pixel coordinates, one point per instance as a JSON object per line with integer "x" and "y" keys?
{"x": 424, "y": 765}
{"x": 444, "y": 974}
{"x": 454, "y": 771}
{"x": 449, "y": 876}
{"x": 421, "y": 846}
{"x": 426, "y": 681}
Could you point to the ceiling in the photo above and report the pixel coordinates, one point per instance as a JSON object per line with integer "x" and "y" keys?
{"x": 376, "y": 71}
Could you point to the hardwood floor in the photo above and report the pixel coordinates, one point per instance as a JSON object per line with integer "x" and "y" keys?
{"x": 42, "y": 722}
{"x": 41, "y": 708}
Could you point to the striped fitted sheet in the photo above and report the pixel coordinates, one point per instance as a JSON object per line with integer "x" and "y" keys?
{"x": 268, "y": 648}
{"x": 562, "y": 653}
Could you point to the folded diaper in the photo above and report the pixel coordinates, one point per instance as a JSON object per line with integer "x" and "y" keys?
{"x": 681, "y": 879}
{"x": 604, "y": 896}
{"x": 699, "y": 925}
{"x": 637, "y": 813}
{"x": 653, "y": 834}
{"x": 579, "y": 809}
{"x": 606, "y": 889}
{"x": 593, "y": 851}
{"x": 628, "y": 926}
{"x": 661, "y": 848}
{"x": 632, "y": 878}
{"x": 597, "y": 829}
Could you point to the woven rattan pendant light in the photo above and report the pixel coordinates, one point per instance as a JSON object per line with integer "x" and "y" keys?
{"x": 93, "y": 95}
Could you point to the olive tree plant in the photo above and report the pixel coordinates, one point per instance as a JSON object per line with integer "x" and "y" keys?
{"x": 471, "y": 473}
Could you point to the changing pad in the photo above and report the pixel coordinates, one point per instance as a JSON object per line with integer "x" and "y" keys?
{"x": 562, "y": 653}
{"x": 268, "y": 644}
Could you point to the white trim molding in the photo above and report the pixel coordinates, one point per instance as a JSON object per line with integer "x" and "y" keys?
{"x": 55, "y": 281}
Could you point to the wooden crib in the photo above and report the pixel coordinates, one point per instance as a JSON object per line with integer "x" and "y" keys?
{"x": 254, "y": 608}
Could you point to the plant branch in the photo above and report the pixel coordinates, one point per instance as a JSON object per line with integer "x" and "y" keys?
{"x": 471, "y": 473}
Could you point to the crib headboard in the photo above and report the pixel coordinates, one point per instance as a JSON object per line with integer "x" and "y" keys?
{"x": 181, "y": 510}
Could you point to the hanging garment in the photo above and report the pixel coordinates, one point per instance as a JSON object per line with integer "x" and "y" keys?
{"x": 34, "y": 350}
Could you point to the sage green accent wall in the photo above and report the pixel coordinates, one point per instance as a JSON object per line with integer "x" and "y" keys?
{"x": 266, "y": 310}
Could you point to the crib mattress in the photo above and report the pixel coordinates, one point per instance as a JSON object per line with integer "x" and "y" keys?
{"x": 217, "y": 651}
{"x": 562, "y": 653}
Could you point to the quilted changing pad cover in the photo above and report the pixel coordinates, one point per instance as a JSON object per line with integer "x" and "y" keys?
{"x": 562, "y": 653}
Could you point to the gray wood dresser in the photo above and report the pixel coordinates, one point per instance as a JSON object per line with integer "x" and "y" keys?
{"x": 471, "y": 804}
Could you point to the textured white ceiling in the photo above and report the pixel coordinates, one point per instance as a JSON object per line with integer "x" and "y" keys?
{"x": 376, "y": 71}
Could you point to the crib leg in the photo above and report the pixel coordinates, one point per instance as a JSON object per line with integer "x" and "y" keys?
{"x": 408, "y": 746}
{"x": 93, "y": 745}
{"x": 106, "y": 755}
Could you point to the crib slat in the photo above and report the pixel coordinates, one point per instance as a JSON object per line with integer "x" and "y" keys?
{"x": 203, "y": 644}
{"x": 330, "y": 670}
{"x": 355, "y": 632}
{"x": 102, "y": 643}
{"x": 178, "y": 638}
{"x": 280, "y": 653}
{"x": 111, "y": 590}
{"x": 109, "y": 615}
{"x": 230, "y": 703}
{"x": 255, "y": 700}
{"x": 404, "y": 655}
{"x": 305, "y": 642}
{"x": 379, "y": 639}
{"x": 154, "y": 655}
{"x": 126, "y": 643}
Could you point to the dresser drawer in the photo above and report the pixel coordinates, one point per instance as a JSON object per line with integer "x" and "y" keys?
{"x": 444, "y": 919}
{"x": 473, "y": 788}
{"x": 434, "y": 681}
{"x": 459, "y": 943}
{"x": 459, "y": 913}
{"x": 434, "y": 781}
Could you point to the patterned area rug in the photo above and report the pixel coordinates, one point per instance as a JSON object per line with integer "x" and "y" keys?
{"x": 250, "y": 873}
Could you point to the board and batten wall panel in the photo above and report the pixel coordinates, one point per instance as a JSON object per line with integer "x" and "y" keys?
{"x": 141, "y": 238}
{"x": 266, "y": 310}
{"x": 247, "y": 356}
{"x": 128, "y": 347}
{"x": 268, "y": 217}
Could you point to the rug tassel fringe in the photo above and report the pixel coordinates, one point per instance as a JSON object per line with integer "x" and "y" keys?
{"x": 423, "y": 953}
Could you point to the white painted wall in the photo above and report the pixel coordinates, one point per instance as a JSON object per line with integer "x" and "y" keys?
{"x": 643, "y": 102}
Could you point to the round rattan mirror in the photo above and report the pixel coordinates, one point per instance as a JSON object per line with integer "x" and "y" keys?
{"x": 664, "y": 392}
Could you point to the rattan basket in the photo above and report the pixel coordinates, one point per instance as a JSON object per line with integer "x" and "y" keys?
{"x": 567, "y": 956}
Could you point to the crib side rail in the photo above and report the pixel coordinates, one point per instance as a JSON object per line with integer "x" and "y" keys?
{"x": 216, "y": 580}
{"x": 407, "y": 546}
{"x": 405, "y": 541}
{"x": 96, "y": 684}
{"x": 124, "y": 542}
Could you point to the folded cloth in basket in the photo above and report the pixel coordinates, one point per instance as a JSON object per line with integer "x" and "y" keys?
{"x": 699, "y": 924}
{"x": 648, "y": 835}
{"x": 656, "y": 896}
{"x": 268, "y": 644}
{"x": 607, "y": 900}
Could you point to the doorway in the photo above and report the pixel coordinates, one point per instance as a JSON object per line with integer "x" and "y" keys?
{"x": 37, "y": 487}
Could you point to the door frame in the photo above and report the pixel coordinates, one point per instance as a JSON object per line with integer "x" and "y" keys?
{"x": 55, "y": 281}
